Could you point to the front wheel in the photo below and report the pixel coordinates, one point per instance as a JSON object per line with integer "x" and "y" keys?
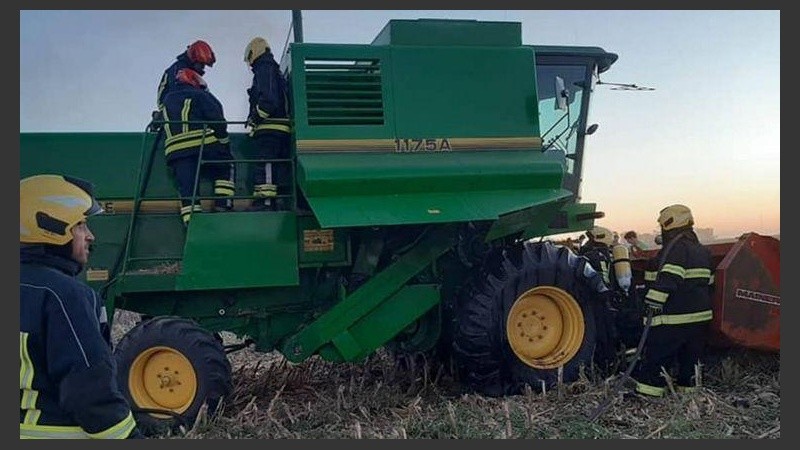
{"x": 526, "y": 318}
{"x": 173, "y": 365}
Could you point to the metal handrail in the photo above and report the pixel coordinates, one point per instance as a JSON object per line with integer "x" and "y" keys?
{"x": 144, "y": 175}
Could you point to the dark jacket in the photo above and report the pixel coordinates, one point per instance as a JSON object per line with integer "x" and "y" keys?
{"x": 168, "y": 82}
{"x": 67, "y": 373}
{"x": 193, "y": 104}
{"x": 268, "y": 97}
{"x": 681, "y": 286}
{"x": 599, "y": 256}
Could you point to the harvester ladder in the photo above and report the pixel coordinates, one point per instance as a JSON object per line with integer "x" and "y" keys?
{"x": 145, "y": 168}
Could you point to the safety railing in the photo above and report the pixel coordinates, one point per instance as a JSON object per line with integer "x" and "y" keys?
{"x": 146, "y": 166}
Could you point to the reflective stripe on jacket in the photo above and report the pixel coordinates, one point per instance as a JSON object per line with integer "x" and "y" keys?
{"x": 682, "y": 285}
{"x": 268, "y": 97}
{"x": 196, "y": 105}
{"x": 67, "y": 376}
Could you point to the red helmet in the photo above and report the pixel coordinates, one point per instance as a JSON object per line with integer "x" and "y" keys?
{"x": 200, "y": 52}
{"x": 189, "y": 76}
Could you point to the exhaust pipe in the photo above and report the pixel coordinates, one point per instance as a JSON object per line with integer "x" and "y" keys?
{"x": 297, "y": 25}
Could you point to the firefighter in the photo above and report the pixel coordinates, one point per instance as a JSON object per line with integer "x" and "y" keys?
{"x": 678, "y": 296}
{"x": 269, "y": 126}
{"x": 67, "y": 381}
{"x": 197, "y": 56}
{"x": 191, "y": 101}
{"x": 598, "y": 251}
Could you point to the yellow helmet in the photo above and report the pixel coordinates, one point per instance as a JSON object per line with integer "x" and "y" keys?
{"x": 600, "y": 234}
{"x": 257, "y": 47}
{"x": 50, "y": 205}
{"x": 675, "y": 216}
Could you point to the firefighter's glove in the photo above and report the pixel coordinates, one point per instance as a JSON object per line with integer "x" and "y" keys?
{"x": 156, "y": 122}
{"x": 654, "y": 307}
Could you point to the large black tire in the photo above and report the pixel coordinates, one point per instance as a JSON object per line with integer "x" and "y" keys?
{"x": 485, "y": 360}
{"x": 160, "y": 341}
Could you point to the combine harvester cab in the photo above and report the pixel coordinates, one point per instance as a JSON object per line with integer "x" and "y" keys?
{"x": 423, "y": 164}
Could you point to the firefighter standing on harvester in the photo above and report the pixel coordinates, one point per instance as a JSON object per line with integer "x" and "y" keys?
{"x": 197, "y": 56}
{"x": 196, "y": 122}
{"x": 268, "y": 119}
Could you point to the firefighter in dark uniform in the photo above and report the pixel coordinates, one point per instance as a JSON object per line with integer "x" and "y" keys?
{"x": 191, "y": 101}
{"x": 597, "y": 250}
{"x": 197, "y": 56}
{"x": 269, "y": 126}
{"x": 678, "y": 295}
{"x": 67, "y": 375}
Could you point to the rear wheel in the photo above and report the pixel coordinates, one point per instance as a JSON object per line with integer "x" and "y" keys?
{"x": 173, "y": 365}
{"x": 526, "y": 316}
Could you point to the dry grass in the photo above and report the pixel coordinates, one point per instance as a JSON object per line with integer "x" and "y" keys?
{"x": 273, "y": 398}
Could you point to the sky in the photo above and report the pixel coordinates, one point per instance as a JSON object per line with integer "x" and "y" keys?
{"x": 708, "y": 136}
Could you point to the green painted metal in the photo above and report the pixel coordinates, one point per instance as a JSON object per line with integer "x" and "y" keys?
{"x": 382, "y": 323}
{"x": 602, "y": 58}
{"x": 431, "y": 85}
{"x": 351, "y": 92}
{"x": 521, "y": 220}
{"x": 314, "y": 69}
{"x": 436, "y": 122}
{"x": 318, "y": 247}
{"x": 109, "y": 160}
{"x": 572, "y": 217}
{"x": 390, "y": 189}
{"x": 240, "y": 250}
{"x": 450, "y": 33}
{"x": 342, "y": 316}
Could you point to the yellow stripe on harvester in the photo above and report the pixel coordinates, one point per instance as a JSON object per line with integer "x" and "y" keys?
{"x": 414, "y": 145}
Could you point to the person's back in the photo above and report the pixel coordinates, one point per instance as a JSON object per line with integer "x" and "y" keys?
{"x": 67, "y": 372}
{"x": 192, "y": 103}
{"x": 269, "y": 126}
{"x": 195, "y": 121}
{"x": 679, "y": 300}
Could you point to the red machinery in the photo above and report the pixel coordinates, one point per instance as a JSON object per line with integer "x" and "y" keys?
{"x": 747, "y": 297}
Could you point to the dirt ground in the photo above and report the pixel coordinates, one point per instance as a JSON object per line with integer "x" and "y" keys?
{"x": 273, "y": 398}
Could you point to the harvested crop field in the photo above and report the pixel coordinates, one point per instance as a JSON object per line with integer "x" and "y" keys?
{"x": 275, "y": 399}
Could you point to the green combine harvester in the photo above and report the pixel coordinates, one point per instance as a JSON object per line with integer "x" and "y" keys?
{"x": 423, "y": 165}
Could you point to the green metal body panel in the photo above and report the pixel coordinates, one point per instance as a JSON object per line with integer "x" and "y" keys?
{"x": 383, "y": 323}
{"x": 357, "y": 92}
{"x": 335, "y": 325}
{"x": 261, "y": 252}
{"x": 321, "y": 248}
{"x": 398, "y": 147}
{"x": 452, "y": 33}
{"x": 348, "y": 190}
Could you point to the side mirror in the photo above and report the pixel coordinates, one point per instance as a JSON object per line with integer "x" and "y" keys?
{"x": 592, "y": 128}
{"x": 562, "y": 94}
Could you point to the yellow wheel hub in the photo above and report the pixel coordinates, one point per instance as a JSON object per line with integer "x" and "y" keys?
{"x": 545, "y": 327}
{"x": 162, "y": 378}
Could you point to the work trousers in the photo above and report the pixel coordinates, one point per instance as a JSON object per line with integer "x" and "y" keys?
{"x": 272, "y": 178}
{"x": 668, "y": 346}
{"x": 184, "y": 169}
